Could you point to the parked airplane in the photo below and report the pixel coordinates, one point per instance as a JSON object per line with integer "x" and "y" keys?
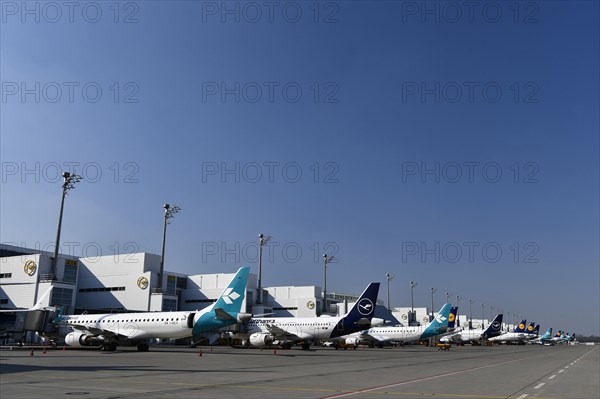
{"x": 401, "y": 334}
{"x": 286, "y": 331}
{"x": 110, "y": 330}
{"x": 563, "y": 338}
{"x": 518, "y": 335}
{"x": 38, "y": 305}
{"x": 475, "y": 335}
{"x": 558, "y": 337}
{"x": 570, "y": 338}
{"x": 545, "y": 339}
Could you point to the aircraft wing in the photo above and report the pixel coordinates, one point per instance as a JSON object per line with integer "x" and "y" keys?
{"x": 281, "y": 334}
{"x": 38, "y": 305}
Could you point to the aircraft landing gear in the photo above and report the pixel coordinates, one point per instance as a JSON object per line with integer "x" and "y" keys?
{"x": 109, "y": 346}
{"x": 286, "y": 346}
{"x": 143, "y": 347}
{"x": 305, "y": 346}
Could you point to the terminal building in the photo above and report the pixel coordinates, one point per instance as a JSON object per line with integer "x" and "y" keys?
{"x": 131, "y": 283}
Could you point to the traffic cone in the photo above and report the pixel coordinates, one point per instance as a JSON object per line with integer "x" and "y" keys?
{"x": 274, "y": 351}
{"x": 200, "y": 353}
{"x": 64, "y": 347}
{"x": 31, "y": 353}
{"x": 211, "y": 348}
{"x": 44, "y": 351}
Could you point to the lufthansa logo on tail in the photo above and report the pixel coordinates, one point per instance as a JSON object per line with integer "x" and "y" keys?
{"x": 530, "y": 328}
{"x": 451, "y": 317}
{"x": 521, "y": 326}
{"x": 496, "y": 325}
{"x": 365, "y": 307}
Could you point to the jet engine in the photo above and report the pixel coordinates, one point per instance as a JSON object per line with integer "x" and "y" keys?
{"x": 79, "y": 340}
{"x": 352, "y": 341}
{"x": 260, "y": 339}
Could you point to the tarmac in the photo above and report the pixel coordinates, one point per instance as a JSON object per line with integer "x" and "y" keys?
{"x": 532, "y": 371}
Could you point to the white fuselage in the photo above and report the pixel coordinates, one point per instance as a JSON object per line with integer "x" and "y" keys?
{"x": 392, "y": 334}
{"x": 464, "y": 336}
{"x": 512, "y": 337}
{"x": 304, "y": 328}
{"x": 135, "y": 326}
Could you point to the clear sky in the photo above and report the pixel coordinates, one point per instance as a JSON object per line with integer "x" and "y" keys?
{"x": 454, "y": 144}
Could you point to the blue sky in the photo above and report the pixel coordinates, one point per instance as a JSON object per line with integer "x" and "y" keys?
{"x": 451, "y": 146}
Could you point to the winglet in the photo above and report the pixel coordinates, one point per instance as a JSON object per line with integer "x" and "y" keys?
{"x": 39, "y": 304}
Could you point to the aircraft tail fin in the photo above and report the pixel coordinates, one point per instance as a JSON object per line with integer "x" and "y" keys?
{"x": 227, "y": 309}
{"x": 359, "y": 317}
{"x": 452, "y": 317}
{"x": 521, "y": 327}
{"x": 439, "y": 324}
{"x": 530, "y": 328}
{"x": 495, "y": 327}
{"x": 233, "y": 296}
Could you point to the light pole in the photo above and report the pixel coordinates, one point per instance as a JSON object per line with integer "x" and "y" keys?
{"x": 262, "y": 241}
{"x": 458, "y": 311}
{"x": 470, "y": 314}
{"x": 412, "y": 303}
{"x": 447, "y": 296}
{"x": 389, "y": 278}
{"x": 433, "y": 291}
{"x": 482, "y": 316}
{"x": 328, "y": 259}
{"x": 170, "y": 212}
{"x": 69, "y": 183}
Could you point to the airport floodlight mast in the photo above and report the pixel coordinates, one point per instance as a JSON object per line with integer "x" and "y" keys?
{"x": 458, "y": 306}
{"x": 447, "y": 296}
{"x": 70, "y": 179}
{"x": 389, "y": 277}
{"x": 262, "y": 241}
{"x": 470, "y": 314}
{"x": 326, "y": 259}
{"x": 482, "y": 316}
{"x": 170, "y": 211}
{"x": 412, "y": 298}
{"x": 433, "y": 291}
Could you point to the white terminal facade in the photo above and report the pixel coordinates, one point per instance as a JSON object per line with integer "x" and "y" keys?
{"x": 129, "y": 283}
{"x": 120, "y": 283}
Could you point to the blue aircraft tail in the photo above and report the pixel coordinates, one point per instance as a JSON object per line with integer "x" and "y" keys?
{"x": 452, "y": 317}
{"x": 231, "y": 299}
{"x": 547, "y": 334}
{"x": 225, "y": 311}
{"x": 521, "y": 327}
{"x": 359, "y": 317}
{"x": 495, "y": 328}
{"x": 530, "y": 328}
{"x": 536, "y": 330}
{"x": 439, "y": 325}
